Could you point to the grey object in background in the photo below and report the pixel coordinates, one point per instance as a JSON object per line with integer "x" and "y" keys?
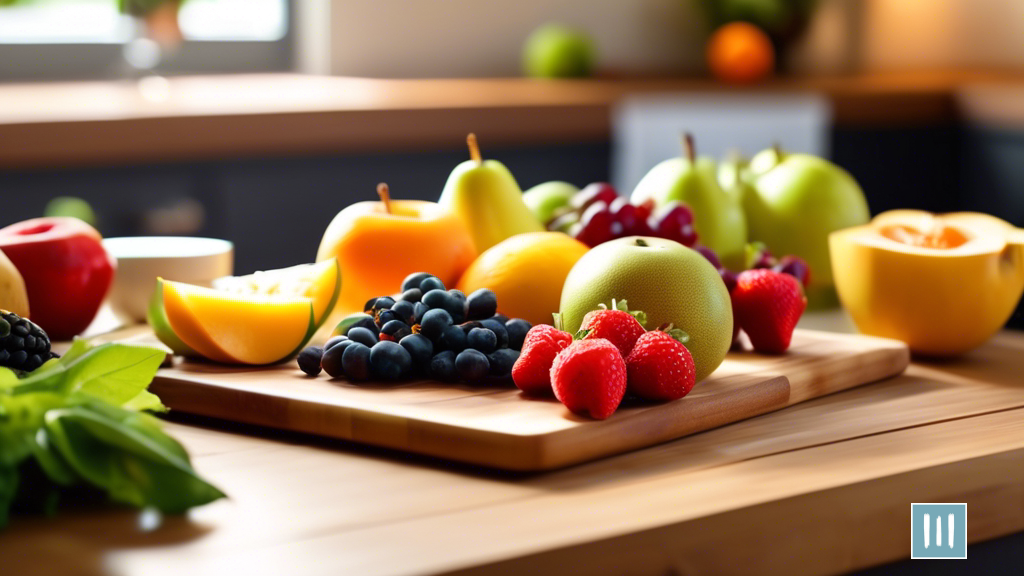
{"x": 646, "y": 129}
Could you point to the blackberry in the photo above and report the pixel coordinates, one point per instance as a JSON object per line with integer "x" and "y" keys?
{"x": 23, "y": 344}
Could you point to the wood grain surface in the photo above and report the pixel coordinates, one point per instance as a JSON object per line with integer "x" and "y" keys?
{"x": 500, "y": 427}
{"x": 823, "y": 487}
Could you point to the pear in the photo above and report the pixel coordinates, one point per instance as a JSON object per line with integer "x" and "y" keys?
{"x": 797, "y": 201}
{"x": 485, "y": 196}
{"x": 718, "y": 216}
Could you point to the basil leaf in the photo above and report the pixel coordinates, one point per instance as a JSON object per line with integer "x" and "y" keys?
{"x": 50, "y": 461}
{"x": 8, "y": 379}
{"x": 20, "y": 417}
{"x": 113, "y": 373}
{"x": 145, "y": 400}
{"x": 128, "y": 455}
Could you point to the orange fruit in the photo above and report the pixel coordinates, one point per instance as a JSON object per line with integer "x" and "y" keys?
{"x": 526, "y": 273}
{"x": 740, "y": 52}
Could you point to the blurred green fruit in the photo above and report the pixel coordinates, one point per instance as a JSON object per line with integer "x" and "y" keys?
{"x": 544, "y": 199}
{"x": 71, "y": 207}
{"x": 797, "y": 201}
{"x": 556, "y": 51}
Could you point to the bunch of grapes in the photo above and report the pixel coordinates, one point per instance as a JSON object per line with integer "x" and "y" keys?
{"x": 597, "y": 214}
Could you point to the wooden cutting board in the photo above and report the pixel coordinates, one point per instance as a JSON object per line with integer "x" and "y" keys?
{"x": 499, "y": 427}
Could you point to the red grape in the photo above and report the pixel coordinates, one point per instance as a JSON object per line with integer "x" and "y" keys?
{"x": 624, "y": 212}
{"x": 709, "y": 254}
{"x": 597, "y": 225}
{"x": 597, "y": 191}
{"x": 796, "y": 267}
{"x": 563, "y": 222}
{"x": 644, "y": 210}
{"x": 729, "y": 277}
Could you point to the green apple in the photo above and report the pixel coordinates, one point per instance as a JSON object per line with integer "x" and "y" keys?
{"x": 544, "y": 199}
{"x": 669, "y": 282}
{"x": 556, "y": 51}
{"x": 718, "y": 216}
{"x": 797, "y": 201}
{"x": 71, "y": 206}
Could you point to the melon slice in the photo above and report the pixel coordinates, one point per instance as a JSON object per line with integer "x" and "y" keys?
{"x": 321, "y": 282}
{"x": 238, "y": 328}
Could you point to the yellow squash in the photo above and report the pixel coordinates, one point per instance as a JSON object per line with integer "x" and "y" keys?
{"x": 943, "y": 284}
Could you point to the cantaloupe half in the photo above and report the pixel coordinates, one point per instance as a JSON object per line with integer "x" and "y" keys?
{"x": 318, "y": 283}
{"x": 238, "y": 328}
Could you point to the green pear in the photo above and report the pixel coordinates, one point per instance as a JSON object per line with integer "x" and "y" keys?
{"x": 732, "y": 177}
{"x": 718, "y": 216}
{"x": 544, "y": 199}
{"x": 797, "y": 201}
{"x": 487, "y": 198}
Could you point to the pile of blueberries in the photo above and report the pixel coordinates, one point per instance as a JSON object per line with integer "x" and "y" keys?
{"x": 426, "y": 332}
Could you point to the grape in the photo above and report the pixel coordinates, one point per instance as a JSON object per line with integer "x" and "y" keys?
{"x": 564, "y": 222}
{"x": 644, "y": 210}
{"x": 709, "y": 254}
{"x": 687, "y": 236}
{"x": 598, "y": 191}
{"x": 796, "y": 267}
{"x": 729, "y": 277}
{"x": 624, "y": 213}
{"x": 597, "y": 225}
{"x": 674, "y": 221}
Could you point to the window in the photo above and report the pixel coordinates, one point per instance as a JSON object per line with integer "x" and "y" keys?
{"x": 89, "y": 38}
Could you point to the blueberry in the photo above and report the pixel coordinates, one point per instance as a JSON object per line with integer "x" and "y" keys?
{"x": 334, "y": 342}
{"x": 331, "y": 360}
{"x": 481, "y": 304}
{"x": 368, "y": 307}
{"x": 390, "y": 361}
{"x": 364, "y": 336}
{"x": 502, "y": 361}
{"x": 406, "y": 311}
{"x": 386, "y": 315}
{"x": 430, "y": 283}
{"x": 500, "y": 318}
{"x": 420, "y": 348}
{"x": 467, "y": 326}
{"x": 396, "y": 330}
{"x": 434, "y": 322}
{"x": 356, "y": 321}
{"x": 453, "y": 338}
{"x": 499, "y": 330}
{"x": 517, "y": 329}
{"x": 436, "y": 299}
{"x": 456, "y": 305}
{"x": 420, "y": 309}
{"x": 413, "y": 280}
{"x": 472, "y": 365}
{"x": 481, "y": 339}
{"x": 442, "y": 367}
{"x": 309, "y": 360}
{"x": 412, "y": 295}
{"x": 355, "y": 362}
{"x": 383, "y": 303}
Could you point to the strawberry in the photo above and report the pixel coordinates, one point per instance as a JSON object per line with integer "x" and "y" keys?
{"x": 532, "y": 371}
{"x": 589, "y": 377}
{"x": 660, "y": 367}
{"x": 617, "y": 325}
{"x": 768, "y": 305}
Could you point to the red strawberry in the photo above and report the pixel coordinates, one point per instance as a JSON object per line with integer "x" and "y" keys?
{"x": 660, "y": 368}
{"x": 617, "y": 326}
{"x": 768, "y": 305}
{"x": 589, "y": 377}
{"x": 532, "y": 371}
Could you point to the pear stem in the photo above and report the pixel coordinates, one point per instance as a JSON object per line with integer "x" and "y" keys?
{"x": 474, "y": 148}
{"x": 777, "y": 149}
{"x": 385, "y": 196}
{"x": 689, "y": 150}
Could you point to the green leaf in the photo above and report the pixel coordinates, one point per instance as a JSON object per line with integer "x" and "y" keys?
{"x": 78, "y": 349}
{"x": 556, "y": 320}
{"x": 145, "y": 400}
{"x": 114, "y": 373}
{"x": 20, "y": 418}
{"x": 129, "y": 456}
{"x": 50, "y": 461}
{"x": 8, "y": 379}
{"x": 581, "y": 333}
{"x": 621, "y": 306}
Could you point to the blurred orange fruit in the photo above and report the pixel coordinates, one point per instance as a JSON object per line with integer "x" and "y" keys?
{"x": 526, "y": 273}
{"x": 740, "y": 52}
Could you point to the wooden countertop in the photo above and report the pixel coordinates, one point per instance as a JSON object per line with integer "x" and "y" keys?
{"x": 822, "y": 487}
{"x": 186, "y": 118}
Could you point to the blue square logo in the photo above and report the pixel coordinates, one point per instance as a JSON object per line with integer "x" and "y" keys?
{"x": 938, "y": 531}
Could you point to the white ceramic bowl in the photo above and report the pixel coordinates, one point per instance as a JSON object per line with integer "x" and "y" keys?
{"x": 141, "y": 259}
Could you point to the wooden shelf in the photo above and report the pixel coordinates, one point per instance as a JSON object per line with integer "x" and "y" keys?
{"x": 191, "y": 118}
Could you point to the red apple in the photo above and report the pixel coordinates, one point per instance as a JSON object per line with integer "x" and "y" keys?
{"x": 67, "y": 272}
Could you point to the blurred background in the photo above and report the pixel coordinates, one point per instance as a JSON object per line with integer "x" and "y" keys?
{"x": 257, "y": 120}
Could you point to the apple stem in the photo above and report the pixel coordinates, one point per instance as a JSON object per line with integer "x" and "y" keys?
{"x": 474, "y": 148}
{"x": 689, "y": 150}
{"x": 385, "y": 196}
{"x": 777, "y": 149}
